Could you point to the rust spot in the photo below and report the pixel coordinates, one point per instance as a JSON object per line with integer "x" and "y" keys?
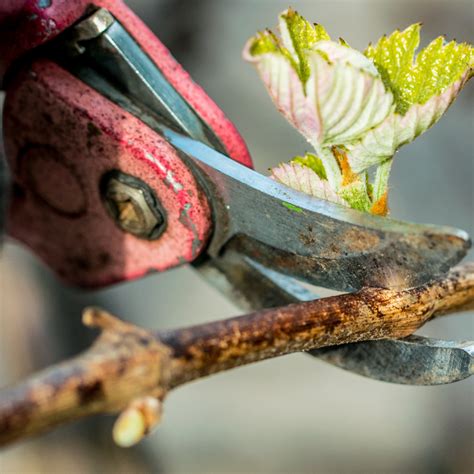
{"x": 80, "y": 263}
{"x": 104, "y": 258}
{"x": 93, "y": 130}
{"x": 19, "y": 413}
{"x": 307, "y": 239}
{"x": 89, "y": 392}
{"x": 144, "y": 341}
{"x": 359, "y": 240}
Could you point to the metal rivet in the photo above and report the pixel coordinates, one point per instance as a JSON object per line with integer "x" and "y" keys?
{"x": 132, "y": 205}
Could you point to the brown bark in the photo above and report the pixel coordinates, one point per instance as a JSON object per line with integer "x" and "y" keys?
{"x": 129, "y": 367}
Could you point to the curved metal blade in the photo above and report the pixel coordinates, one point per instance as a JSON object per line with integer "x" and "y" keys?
{"x": 315, "y": 240}
{"x": 414, "y": 360}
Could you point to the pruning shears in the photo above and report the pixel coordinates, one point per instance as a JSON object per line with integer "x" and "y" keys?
{"x": 121, "y": 165}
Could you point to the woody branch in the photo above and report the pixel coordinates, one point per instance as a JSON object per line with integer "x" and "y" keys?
{"x": 130, "y": 370}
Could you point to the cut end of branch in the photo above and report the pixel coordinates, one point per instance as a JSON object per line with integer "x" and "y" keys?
{"x": 94, "y": 317}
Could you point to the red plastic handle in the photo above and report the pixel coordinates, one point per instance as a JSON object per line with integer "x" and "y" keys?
{"x": 62, "y": 137}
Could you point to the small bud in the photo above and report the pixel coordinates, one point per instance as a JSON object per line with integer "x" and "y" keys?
{"x": 136, "y": 421}
{"x": 129, "y": 428}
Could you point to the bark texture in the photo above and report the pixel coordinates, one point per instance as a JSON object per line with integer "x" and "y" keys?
{"x": 128, "y": 366}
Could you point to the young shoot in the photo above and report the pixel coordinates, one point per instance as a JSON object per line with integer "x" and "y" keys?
{"x": 355, "y": 109}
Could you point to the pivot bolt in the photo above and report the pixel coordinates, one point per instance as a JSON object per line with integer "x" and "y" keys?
{"x": 133, "y": 205}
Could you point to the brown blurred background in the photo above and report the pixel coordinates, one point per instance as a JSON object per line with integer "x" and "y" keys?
{"x": 289, "y": 415}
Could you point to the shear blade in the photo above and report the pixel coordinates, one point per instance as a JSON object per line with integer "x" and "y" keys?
{"x": 311, "y": 239}
{"x": 299, "y": 235}
{"x": 414, "y": 360}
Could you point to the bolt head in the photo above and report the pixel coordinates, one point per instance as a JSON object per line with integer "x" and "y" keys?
{"x": 132, "y": 205}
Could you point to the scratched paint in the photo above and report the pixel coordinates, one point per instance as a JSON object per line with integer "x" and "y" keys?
{"x": 44, "y": 4}
{"x": 186, "y": 220}
{"x": 170, "y": 180}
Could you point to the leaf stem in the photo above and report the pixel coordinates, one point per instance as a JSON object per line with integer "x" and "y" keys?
{"x": 331, "y": 166}
{"x": 381, "y": 179}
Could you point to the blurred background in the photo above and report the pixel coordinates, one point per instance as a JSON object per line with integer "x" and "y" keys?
{"x": 288, "y": 415}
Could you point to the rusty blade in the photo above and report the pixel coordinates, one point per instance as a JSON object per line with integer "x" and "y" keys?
{"x": 312, "y": 239}
{"x": 414, "y": 360}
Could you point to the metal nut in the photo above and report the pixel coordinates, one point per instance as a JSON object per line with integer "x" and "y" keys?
{"x": 133, "y": 205}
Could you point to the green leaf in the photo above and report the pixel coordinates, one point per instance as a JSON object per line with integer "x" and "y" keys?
{"x": 343, "y": 42}
{"x": 287, "y": 92}
{"x": 304, "y": 179}
{"x": 355, "y": 109}
{"x": 263, "y": 43}
{"x": 313, "y": 162}
{"x": 381, "y": 143}
{"x": 344, "y": 97}
{"x": 299, "y": 36}
{"x": 356, "y": 194}
{"x": 350, "y": 100}
{"x": 437, "y": 66}
{"x": 380, "y": 185}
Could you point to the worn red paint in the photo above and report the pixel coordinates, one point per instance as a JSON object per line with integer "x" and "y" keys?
{"x": 47, "y": 107}
{"x": 50, "y": 106}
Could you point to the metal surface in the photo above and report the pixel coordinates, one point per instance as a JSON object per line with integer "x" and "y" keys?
{"x": 415, "y": 360}
{"x": 114, "y": 53}
{"x": 95, "y": 24}
{"x": 315, "y": 240}
{"x": 250, "y": 285}
{"x": 132, "y": 205}
{"x": 116, "y": 46}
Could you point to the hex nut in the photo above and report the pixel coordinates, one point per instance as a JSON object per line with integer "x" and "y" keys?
{"x": 132, "y": 205}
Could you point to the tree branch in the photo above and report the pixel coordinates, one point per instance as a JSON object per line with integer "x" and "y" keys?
{"x": 130, "y": 369}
